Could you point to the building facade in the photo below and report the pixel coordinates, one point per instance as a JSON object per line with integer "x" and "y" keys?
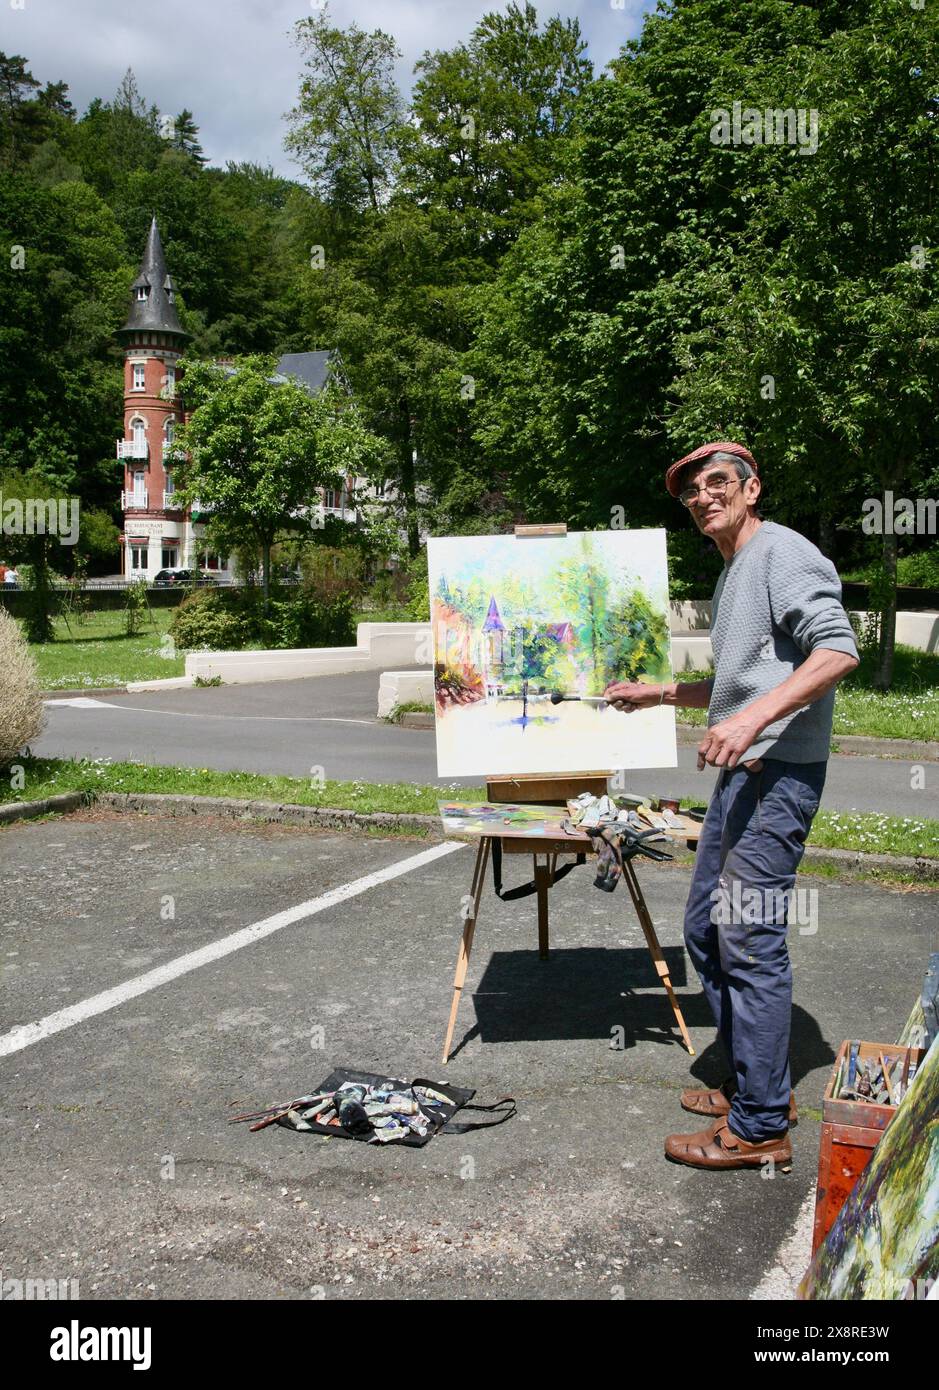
{"x": 156, "y": 534}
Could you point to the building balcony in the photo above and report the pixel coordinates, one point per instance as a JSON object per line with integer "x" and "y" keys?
{"x": 171, "y": 450}
{"x": 132, "y": 448}
{"x": 171, "y": 503}
{"x": 134, "y": 501}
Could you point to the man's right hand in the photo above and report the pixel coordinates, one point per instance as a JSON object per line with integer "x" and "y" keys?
{"x": 629, "y": 696}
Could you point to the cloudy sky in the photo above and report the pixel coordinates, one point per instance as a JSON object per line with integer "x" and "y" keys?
{"x": 232, "y": 62}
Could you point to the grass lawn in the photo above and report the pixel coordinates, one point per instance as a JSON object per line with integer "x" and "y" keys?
{"x": 97, "y": 652}
{"x": 909, "y": 710}
{"x": 48, "y": 776}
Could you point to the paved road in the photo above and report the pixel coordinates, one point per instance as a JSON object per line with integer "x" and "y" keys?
{"x": 120, "y": 1170}
{"x": 288, "y": 727}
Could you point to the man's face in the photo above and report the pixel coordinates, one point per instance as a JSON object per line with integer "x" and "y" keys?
{"x": 723, "y": 509}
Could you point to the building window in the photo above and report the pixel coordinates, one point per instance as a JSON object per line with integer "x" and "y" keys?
{"x": 169, "y": 430}
{"x": 141, "y": 293}
{"x": 170, "y": 560}
{"x": 209, "y": 560}
{"x": 139, "y": 491}
{"x": 139, "y": 431}
{"x": 169, "y": 385}
{"x": 138, "y": 557}
{"x": 332, "y": 501}
{"x": 140, "y": 376}
{"x": 170, "y": 485}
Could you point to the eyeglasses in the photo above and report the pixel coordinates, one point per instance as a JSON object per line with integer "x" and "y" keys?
{"x": 715, "y": 486}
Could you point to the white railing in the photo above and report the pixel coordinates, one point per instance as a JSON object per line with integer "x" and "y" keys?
{"x": 132, "y": 448}
{"x": 169, "y": 449}
{"x": 170, "y": 500}
{"x": 136, "y": 501}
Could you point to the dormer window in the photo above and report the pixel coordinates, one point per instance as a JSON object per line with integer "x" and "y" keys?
{"x": 141, "y": 293}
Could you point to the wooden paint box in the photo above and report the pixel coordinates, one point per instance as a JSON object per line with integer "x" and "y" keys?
{"x": 851, "y": 1130}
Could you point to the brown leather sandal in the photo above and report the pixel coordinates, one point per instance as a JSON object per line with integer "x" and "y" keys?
{"x": 717, "y": 1102}
{"x": 719, "y": 1147}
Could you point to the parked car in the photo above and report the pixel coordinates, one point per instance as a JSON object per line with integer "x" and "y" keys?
{"x": 175, "y": 578}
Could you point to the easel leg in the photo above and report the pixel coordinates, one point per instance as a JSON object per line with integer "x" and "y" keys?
{"x": 543, "y": 879}
{"x": 466, "y": 945}
{"x": 655, "y": 950}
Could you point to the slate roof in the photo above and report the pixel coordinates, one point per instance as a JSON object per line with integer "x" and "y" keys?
{"x": 312, "y": 368}
{"x": 158, "y": 311}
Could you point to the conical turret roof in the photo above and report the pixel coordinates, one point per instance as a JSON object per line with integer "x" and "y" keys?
{"x": 156, "y": 311}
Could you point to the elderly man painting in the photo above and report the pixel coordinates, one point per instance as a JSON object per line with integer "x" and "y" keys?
{"x": 781, "y": 643}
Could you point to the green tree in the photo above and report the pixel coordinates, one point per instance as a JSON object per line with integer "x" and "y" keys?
{"x": 346, "y": 124}
{"x": 30, "y": 541}
{"x": 259, "y": 452}
{"x": 489, "y": 117}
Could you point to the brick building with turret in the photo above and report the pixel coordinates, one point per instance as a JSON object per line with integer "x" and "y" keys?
{"x": 156, "y": 534}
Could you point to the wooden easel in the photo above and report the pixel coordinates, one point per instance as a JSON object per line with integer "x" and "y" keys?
{"x": 550, "y": 791}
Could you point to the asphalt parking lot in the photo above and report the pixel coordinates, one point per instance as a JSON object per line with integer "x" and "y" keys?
{"x": 121, "y": 1171}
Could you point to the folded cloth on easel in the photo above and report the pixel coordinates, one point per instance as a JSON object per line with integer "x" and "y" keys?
{"x": 613, "y": 844}
{"x": 379, "y": 1109}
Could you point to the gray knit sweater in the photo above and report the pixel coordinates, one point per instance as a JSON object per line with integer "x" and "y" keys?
{"x": 778, "y": 599}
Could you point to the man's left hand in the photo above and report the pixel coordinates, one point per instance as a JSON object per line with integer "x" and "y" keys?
{"x": 724, "y": 743}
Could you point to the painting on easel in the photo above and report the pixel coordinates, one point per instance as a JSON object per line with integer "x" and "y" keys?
{"x": 529, "y": 632}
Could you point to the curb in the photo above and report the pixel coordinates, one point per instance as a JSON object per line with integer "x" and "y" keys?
{"x": 24, "y": 810}
{"x": 415, "y": 721}
{"x": 83, "y": 690}
{"x": 273, "y": 812}
{"x": 334, "y": 818}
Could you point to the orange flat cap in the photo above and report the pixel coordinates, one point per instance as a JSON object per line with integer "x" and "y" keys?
{"x": 722, "y": 446}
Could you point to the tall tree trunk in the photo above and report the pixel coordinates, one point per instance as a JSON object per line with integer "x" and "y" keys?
{"x": 266, "y": 573}
{"x": 887, "y": 606}
{"x": 826, "y": 535}
{"x": 38, "y": 616}
{"x": 409, "y": 490}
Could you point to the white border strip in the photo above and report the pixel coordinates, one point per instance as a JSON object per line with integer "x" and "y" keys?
{"x": 29, "y": 1033}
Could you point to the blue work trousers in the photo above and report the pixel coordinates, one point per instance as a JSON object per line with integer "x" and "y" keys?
{"x": 751, "y": 844}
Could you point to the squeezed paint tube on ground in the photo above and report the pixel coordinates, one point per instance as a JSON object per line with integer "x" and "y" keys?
{"x": 386, "y": 1132}
{"x": 436, "y": 1097}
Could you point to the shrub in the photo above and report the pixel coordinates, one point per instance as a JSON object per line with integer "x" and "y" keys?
{"x": 921, "y": 570}
{"x": 20, "y": 700}
{"x": 227, "y": 620}
{"x": 209, "y": 618}
{"x": 329, "y": 573}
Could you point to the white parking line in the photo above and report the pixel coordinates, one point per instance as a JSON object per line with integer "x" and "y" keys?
{"x": 83, "y": 702}
{"x": 29, "y": 1033}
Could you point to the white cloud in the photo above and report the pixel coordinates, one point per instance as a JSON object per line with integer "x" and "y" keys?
{"x": 234, "y": 64}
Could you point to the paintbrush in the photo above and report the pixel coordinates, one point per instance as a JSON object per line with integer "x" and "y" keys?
{"x": 558, "y": 697}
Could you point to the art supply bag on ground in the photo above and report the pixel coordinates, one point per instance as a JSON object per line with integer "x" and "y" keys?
{"x": 433, "y": 1116}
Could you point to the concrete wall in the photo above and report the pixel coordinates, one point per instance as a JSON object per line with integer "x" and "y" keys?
{"x": 395, "y": 647}
{"x": 378, "y": 646}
